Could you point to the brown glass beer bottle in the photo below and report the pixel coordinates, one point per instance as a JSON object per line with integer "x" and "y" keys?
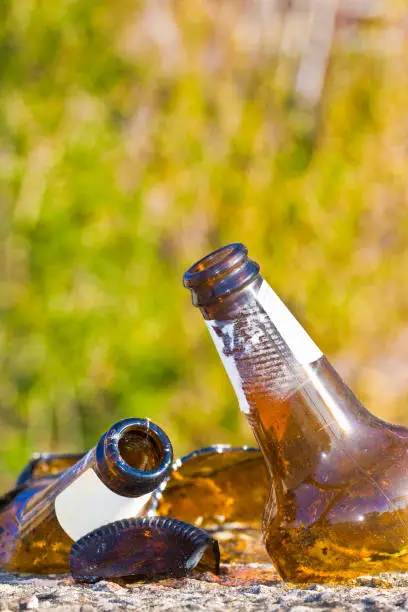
{"x": 338, "y": 505}
{"x": 113, "y": 481}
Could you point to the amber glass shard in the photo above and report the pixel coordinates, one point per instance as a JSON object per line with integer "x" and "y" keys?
{"x": 46, "y": 464}
{"x": 144, "y": 548}
{"x": 39, "y": 472}
{"x": 222, "y": 489}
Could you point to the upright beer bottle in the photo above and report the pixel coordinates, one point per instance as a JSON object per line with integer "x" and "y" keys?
{"x": 113, "y": 481}
{"x": 338, "y": 505}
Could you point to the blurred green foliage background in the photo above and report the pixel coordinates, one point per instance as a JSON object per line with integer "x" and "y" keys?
{"x": 137, "y": 136}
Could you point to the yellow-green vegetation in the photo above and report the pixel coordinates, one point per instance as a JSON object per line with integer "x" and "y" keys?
{"x": 134, "y": 138}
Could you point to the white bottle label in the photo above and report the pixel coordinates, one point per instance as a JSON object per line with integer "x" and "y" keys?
{"x": 87, "y": 504}
{"x": 229, "y": 365}
{"x": 297, "y": 339}
{"x": 299, "y": 342}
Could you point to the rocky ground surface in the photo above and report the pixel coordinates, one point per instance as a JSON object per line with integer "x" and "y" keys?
{"x": 243, "y": 588}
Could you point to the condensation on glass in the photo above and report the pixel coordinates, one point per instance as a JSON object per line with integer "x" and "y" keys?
{"x": 338, "y": 500}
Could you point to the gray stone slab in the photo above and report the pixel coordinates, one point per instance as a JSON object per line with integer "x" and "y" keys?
{"x": 239, "y": 588}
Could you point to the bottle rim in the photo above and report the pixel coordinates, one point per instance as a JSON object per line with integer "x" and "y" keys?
{"x": 216, "y": 263}
{"x": 120, "y": 475}
{"x": 220, "y": 274}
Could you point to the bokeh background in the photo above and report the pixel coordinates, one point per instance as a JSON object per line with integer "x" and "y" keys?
{"x": 135, "y": 136}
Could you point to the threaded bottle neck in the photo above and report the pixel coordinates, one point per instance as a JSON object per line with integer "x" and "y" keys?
{"x": 220, "y": 274}
{"x": 299, "y": 407}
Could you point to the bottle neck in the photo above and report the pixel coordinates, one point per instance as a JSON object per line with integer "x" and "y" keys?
{"x": 129, "y": 462}
{"x": 298, "y": 406}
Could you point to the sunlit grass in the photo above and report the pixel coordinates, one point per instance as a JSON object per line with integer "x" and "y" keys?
{"x": 135, "y": 139}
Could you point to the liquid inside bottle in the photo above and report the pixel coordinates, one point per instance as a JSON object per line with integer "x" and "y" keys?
{"x": 338, "y": 504}
{"x": 57, "y": 503}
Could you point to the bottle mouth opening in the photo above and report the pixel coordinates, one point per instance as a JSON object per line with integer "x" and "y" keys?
{"x": 140, "y": 450}
{"x": 135, "y": 455}
{"x": 140, "y": 447}
{"x": 213, "y": 258}
{"x": 215, "y": 264}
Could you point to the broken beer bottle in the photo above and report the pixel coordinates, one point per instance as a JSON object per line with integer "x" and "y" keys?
{"x": 338, "y": 505}
{"x": 205, "y": 489}
{"x": 41, "y": 519}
